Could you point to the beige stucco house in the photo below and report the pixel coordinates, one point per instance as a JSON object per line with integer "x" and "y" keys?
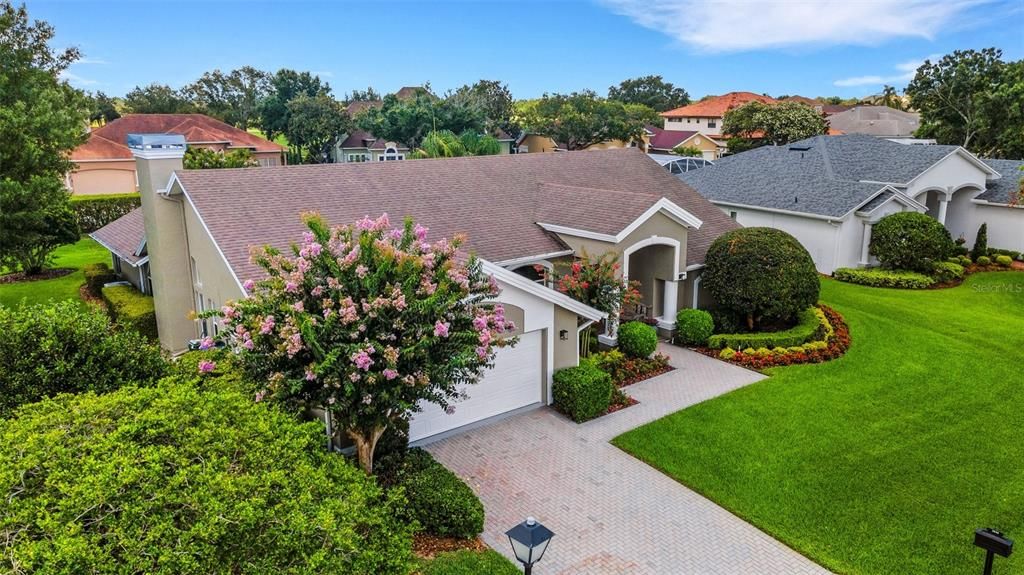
{"x": 104, "y": 164}
{"x": 519, "y": 212}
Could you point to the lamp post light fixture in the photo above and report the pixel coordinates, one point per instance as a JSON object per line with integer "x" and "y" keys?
{"x": 994, "y": 543}
{"x": 529, "y": 540}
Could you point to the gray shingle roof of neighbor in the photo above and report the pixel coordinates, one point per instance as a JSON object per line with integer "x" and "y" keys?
{"x": 824, "y": 175}
{"x": 1005, "y": 189}
{"x": 123, "y": 236}
{"x": 876, "y": 121}
{"x": 496, "y": 200}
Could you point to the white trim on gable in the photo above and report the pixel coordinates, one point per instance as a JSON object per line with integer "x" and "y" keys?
{"x": 897, "y": 195}
{"x": 513, "y": 279}
{"x": 516, "y": 262}
{"x": 990, "y": 174}
{"x": 665, "y": 205}
{"x": 652, "y": 241}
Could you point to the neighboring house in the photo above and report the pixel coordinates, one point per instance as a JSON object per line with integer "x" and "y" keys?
{"x": 663, "y": 141}
{"x": 881, "y": 121}
{"x": 519, "y": 211}
{"x": 531, "y": 143}
{"x": 676, "y": 164}
{"x": 705, "y": 116}
{"x": 104, "y": 165}
{"x": 828, "y": 191}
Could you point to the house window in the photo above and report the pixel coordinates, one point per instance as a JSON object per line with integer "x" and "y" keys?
{"x": 267, "y": 162}
{"x": 117, "y": 264}
{"x": 196, "y": 280}
{"x": 688, "y": 120}
{"x": 675, "y": 119}
{"x": 200, "y": 308}
{"x": 356, "y": 158}
{"x": 732, "y": 215}
{"x": 390, "y": 154}
{"x": 712, "y": 123}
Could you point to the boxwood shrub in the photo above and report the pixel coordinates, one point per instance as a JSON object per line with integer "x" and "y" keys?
{"x": 810, "y": 325}
{"x": 984, "y": 261}
{"x": 694, "y": 326}
{"x": 467, "y": 562}
{"x": 582, "y": 392}
{"x": 96, "y": 275}
{"x": 94, "y": 212}
{"x": 438, "y": 501}
{"x": 172, "y": 479}
{"x": 910, "y": 241}
{"x": 132, "y": 309}
{"x": 638, "y": 339}
{"x": 947, "y": 272}
{"x": 48, "y": 349}
{"x": 884, "y": 278}
{"x": 1005, "y": 261}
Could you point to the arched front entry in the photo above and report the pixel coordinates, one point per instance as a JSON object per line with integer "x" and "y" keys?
{"x": 654, "y": 263}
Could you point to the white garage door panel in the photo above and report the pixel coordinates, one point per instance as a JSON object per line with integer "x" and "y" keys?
{"x": 513, "y": 382}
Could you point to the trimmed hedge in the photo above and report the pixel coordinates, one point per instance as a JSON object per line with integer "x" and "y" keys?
{"x": 467, "y": 562}
{"x": 810, "y": 324}
{"x": 984, "y": 261}
{"x": 834, "y": 342}
{"x": 438, "y": 501}
{"x": 94, "y": 212}
{"x": 877, "y": 277}
{"x": 1005, "y": 261}
{"x": 694, "y": 326}
{"x": 993, "y": 252}
{"x": 96, "y": 275}
{"x": 49, "y": 349}
{"x": 910, "y": 241}
{"x": 638, "y": 339}
{"x": 582, "y": 392}
{"x": 173, "y": 479}
{"x": 132, "y": 309}
{"x": 948, "y": 271}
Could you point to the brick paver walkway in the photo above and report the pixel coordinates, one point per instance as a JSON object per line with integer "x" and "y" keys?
{"x": 611, "y": 513}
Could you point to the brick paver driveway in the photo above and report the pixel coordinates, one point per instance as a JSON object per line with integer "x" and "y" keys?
{"x": 610, "y": 512}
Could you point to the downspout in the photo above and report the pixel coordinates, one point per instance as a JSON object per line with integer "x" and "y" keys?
{"x": 835, "y": 252}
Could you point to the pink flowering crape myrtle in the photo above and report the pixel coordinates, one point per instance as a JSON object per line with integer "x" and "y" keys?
{"x": 366, "y": 321}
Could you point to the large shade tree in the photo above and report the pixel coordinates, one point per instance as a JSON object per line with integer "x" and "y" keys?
{"x": 314, "y": 125}
{"x": 42, "y": 119}
{"x": 285, "y": 86}
{"x": 409, "y": 120}
{"x": 233, "y": 97}
{"x": 779, "y": 124}
{"x": 158, "y": 99}
{"x": 972, "y": 98}
{"x": 494, "y": 101}
{"x": 582, "y": 119}
{"x": 366, "y": 321}
{"x": 651, "y": 91}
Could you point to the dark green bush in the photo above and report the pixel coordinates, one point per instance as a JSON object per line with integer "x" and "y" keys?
{"x": 726, "y": 321}
{"x": 947, "y": 272}
{"x": 228, "y": 374}
{"x": 56, "y": 348}
{"x": 582, "y": 392}
{"x": 132, "y": 309}
{"x": 438, "y": 501}
{"x": 467, "y": 562}
{"x": 884, "y": 278}
{"x": 694, "y": 326}
{"x": 96, "y": 275}
{"x": 1004, "y": 261}
{"x": 809, "y": 326}
{"x": 172, "y": 479}
{"x": 993, "y": 252}
{"x": 910, "y": 241}
{"x": 94, "y": 212}
{"x": 761, "y": 274}
{"x": 981, "y": 242}
{"x": 637, "y": 339}
{"x": 984, "y": 261}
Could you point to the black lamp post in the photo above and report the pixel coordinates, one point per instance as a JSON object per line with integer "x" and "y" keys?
{"x": 529, "y": 540}
{"x": 994, "y": 543}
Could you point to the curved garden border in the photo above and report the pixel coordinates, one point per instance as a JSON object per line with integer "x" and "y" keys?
{"x": 836, "y": 345}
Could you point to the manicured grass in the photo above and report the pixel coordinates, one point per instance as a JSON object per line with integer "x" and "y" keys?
{"x": 885, "y": 460}
{"x": 77, "y": 255}
{"x": 466, "y": 562}
{"x": 280, "y": 139}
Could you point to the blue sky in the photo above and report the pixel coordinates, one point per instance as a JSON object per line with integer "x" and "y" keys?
{"x": 813, "y": 48}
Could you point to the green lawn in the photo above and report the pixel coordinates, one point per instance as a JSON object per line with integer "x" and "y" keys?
{"x": 466, "y": 562}
{"x": 885, "y": 460}
{"x": 85, "y": 251}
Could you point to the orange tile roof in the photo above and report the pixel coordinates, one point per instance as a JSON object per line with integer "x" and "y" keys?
{"x": 716, "y": 106}
{"x": 109, "y": 142}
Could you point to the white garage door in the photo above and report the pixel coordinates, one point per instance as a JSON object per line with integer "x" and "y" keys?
{"x": 515, "y": 381}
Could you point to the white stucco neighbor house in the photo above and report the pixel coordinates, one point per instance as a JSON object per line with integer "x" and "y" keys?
{"x": 828, "y": 191}
{"x": 190, "y": 242}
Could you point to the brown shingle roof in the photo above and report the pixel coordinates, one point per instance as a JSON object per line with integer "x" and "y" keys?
{"x": 496, "y": 200}
{"x": 123, "y": 236}
{"x": 359, "y": 106}
{"x": 195, "y": 128}
{"x": 717, "y": 106}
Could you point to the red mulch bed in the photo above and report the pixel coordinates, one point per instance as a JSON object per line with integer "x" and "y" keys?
{"x": 644, "y": 377}
{"x": 837, "y": 346}
{"x": 427, "y": 546}
{"x": 623, "y": 402}
{"x": 45, "y": 275}
{"x": 89, "y": 297}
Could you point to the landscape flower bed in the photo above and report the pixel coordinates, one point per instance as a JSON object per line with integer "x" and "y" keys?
{"x": 834, "y": 341}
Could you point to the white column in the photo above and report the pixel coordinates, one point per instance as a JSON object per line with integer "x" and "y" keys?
{"x": 670, "y": 304}
{"x": 943, "y": 204}
{"x": 864, "y": 255}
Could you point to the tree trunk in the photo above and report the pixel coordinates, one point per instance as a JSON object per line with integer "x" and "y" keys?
{"x": 750, "y": 321}
{"x": 366, "y": 443}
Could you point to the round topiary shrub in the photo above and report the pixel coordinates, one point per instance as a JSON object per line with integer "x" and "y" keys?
{"x": 910, "y": 241}
{"x": 638, "y": 339}
{"x": 172, "y": 479}
{"x": 440, "y": 502}
{"x": 582, "y": 392}
{"x": 948, "y": 271}
{"x": 694, "y": 326}
{"x": 1005, "y": 261}
{"x": 761, "y": 274}
{"x": 984, "y": 261}
{"x": 63, "y": 347}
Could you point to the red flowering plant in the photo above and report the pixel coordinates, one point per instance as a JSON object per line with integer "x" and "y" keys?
{"x": 366, "y": 321}
{"x": 599, "y": 284}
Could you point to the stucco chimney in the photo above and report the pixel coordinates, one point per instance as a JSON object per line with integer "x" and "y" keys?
{"x": 157, "y": 156}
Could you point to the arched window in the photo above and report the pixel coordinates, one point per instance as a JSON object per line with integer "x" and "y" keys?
{"x": 390, "y": 154}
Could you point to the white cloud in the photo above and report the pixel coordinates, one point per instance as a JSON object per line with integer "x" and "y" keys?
{"x": 76, "y": 80}
{"x": 91, "y": 61}
{"x": 324, "y": 74}
{"x": 906, "y": 73}
{"x": 742, "y": 25}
